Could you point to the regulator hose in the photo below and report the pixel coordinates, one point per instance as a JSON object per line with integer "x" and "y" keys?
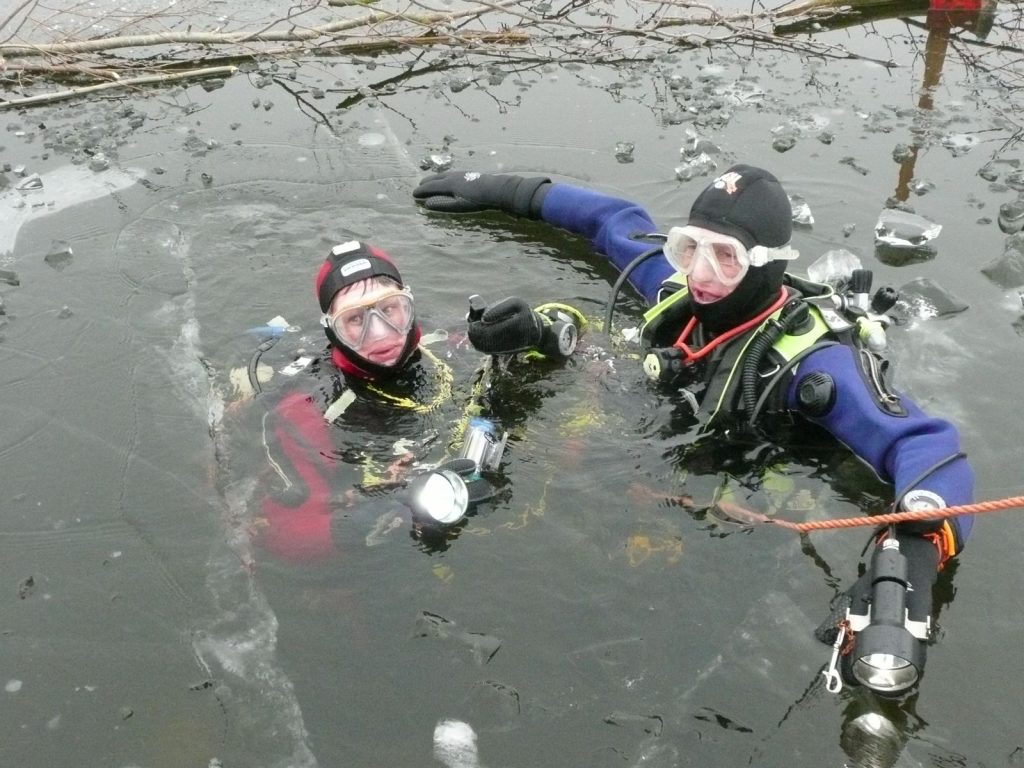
{"x": 625, "y": 274}
{"x": 254, "y": 360}
{"x": 772, "y": 331}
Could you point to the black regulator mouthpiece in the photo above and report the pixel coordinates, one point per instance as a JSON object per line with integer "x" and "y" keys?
{"x": 477, "y": 305}
{"x": 885, "y": 298}
{"x": 664, "y": 364}
{"x": 444, "y": 495}
{"x": 887, "y": 654}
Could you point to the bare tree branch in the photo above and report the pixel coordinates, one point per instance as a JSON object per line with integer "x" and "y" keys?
{"x": 38, "y": 50}
{"x": 47, "y": 98}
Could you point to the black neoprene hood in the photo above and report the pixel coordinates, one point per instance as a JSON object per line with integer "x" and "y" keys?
{"x": 747, "y": 203}
{"x": 347, "y": 264}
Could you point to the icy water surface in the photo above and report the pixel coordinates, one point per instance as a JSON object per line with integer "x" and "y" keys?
{"x": 581, "y": 620}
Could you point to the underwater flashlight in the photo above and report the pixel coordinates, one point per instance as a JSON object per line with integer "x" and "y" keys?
{"x": 888, "y": 649}
{"x": 439, "y": 495}
{"x": 444, "y": 495}
{"x": 482, "y": 444}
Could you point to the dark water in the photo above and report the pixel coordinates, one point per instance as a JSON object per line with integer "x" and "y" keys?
{"x": 140, "y": 626}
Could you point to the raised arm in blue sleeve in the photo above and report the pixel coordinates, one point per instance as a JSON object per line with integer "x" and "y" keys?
{"x": 611, "y": 225}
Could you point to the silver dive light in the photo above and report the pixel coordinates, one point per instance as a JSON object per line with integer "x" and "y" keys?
{"x": 444, "y": 495}
{"x": 888, "y": 647}
{"x": 440, "y": 495}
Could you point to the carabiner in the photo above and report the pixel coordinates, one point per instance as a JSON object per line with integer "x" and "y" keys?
{"x": 833, "y": 678}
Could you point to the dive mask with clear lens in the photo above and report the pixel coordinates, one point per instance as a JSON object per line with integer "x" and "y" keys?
{"x": 727, "y": 257}
{"x": 352, "y": 323}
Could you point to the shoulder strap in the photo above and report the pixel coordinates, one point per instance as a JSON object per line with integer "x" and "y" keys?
{"x": 673, "y": 310}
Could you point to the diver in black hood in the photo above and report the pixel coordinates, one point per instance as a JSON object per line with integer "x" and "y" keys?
{"x": 741, "y": 338}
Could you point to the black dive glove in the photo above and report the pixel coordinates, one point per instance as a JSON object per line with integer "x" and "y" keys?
{"x": 469, "y": 191}
{"x": 511, "y": 326}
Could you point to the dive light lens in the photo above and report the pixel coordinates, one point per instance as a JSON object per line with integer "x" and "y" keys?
{"x": 885, "y": 672}
{"x": 440, "y": 495}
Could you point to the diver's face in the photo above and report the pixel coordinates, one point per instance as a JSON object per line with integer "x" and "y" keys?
{"x": 704, "y": 285}
{"x": 714, "y": 263}
{"x": 373, "y": 317}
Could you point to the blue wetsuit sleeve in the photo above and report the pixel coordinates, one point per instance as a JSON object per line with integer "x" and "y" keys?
{"x": 611, "y": 225}
{"x": 899, "y": 448}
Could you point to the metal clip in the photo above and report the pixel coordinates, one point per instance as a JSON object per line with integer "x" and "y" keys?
{"x": 833, "y": 679}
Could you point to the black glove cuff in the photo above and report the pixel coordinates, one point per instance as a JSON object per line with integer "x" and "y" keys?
{"x": 537, "y": 201}
{"x": 522, "y": 203}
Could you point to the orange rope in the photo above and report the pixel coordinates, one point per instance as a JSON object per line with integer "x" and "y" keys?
{"x": 944, "y": 513}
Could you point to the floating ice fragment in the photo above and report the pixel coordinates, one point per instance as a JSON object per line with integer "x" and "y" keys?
{"x": 988, "y": 173}
{"x": 1007, "y": 270}
{"x": 624, "y": 151}
{"x": 438, "y": 162}
{"x": 1011, "y": 216}
{"x": 372, "y": 139}
{"x": 922, "y": 187}
{"x": 741, "y": 94}
{"x": 675, "y": 117}
{"x": 960, "y": 143}
{"x": 59, "y": 255}
{"x": 495, "y": 706}
{"x": 785, "y": 138}
{"x": 679, "y": 83}
{"x": 30, "y": 183}
{"x": 833, "y": 267}
{"x": 711, "y": 71}
{"x": 1015, "y": 180}
{"x": 802, "y": 215}
{"x": 483, "y": 646}
{"x": 902, "y": 152}
{"x": 904, "y": 230}
{"x": 12, "y": 686}
{"x": 923, "y": 298}
{"x": 702, "y": 165}
{"x": 655, "y": 753}
{"x": 696, "y": 146}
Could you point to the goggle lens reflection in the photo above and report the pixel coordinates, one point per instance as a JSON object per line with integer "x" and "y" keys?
{"x": 726, "y": 256}
{"x": 352, "y": 324}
